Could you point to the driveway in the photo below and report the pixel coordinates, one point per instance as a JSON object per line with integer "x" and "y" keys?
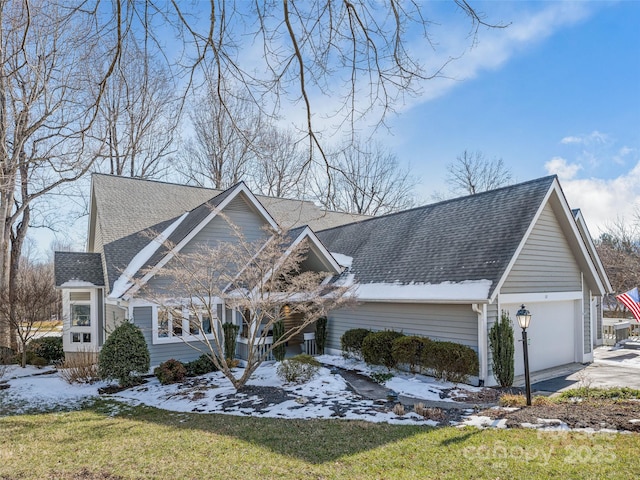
{"x": 612, "y": 367}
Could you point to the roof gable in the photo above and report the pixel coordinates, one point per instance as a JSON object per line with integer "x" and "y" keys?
{"x": 164, "y": 239}
{"x": 468, "y": 239}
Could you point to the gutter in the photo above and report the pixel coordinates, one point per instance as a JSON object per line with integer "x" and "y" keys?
{"x": 483, "y": 355}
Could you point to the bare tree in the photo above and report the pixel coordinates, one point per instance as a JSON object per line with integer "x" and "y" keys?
{"x": 32, "y": 306}
{"x": 473, "y": 173}
{"x": 619, "y": 251}
{"x": 47, "y": 106}
{"x": 281, "y": 167}
{"x": 138, "y": 116}
{"x": 350, "y": 62}
{"x": 223, "y": 148}
{"x": 367, "y": 180}
{"x": 257, "y": 279}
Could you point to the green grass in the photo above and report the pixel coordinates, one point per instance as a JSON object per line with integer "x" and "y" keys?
{"x": 614, "y": 393}
{"x": 109, "y": 440}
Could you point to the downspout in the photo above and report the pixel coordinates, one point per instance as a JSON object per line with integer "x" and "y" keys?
{"x": 483, "y": 356}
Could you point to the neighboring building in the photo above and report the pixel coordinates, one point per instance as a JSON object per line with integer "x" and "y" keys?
{"x": 445, "y": 270}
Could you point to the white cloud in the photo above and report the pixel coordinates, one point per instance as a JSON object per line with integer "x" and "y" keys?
{"x": 571, "y": 139}
{"x": 559, "y": 166}
{"x": 494, "y": 46}
{"x": 593, "y": 138}
{"x": 602, "y": 201}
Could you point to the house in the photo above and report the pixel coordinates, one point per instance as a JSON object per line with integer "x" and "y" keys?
{"x": 445, "y": 271}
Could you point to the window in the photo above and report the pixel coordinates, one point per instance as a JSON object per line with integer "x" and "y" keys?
{"x": 78, "y": 337}
{"x": 80, "y": 315}
{"x": 175, "y": 324}
{"x": 163, "y": 323}
{"x": 194, "y": 325}
{"x": 206, "y": 324}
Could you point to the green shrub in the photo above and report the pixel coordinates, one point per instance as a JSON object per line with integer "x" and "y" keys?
{"x": 278, "y": 332}
{"x": 377, "y": 348}
{"x": 201, "y": 365}
{"x": 450, "y": 361}
{"x": 124, "y": 355}
{"x": 321, "y": 334}
{"x": 380, "y": 377}
{"x": 39, "y": 362}
{"x": 298, "y": 369}
{"x": 230, "y": 336}
{"x": 408, "y": 350}
{"x": 171, "y": 371}
{"x": 502, "y": 350}
{"x": 49, "y": 348}
{"x": 351, "y": 342}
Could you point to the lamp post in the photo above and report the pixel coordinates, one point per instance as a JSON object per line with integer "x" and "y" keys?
{"x": 524, "y": 318}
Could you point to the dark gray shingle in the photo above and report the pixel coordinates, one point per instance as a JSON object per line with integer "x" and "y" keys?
{"x": 468, "y": 238}
{"x": 78, "y": 266}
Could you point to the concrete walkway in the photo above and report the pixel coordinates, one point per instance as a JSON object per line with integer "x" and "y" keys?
{"x": 606, "y": 371}
{"x": 367, "y": 388}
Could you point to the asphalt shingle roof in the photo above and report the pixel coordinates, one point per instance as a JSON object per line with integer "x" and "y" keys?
{"x": 468, "y": 238}
{"x": 79, "y": 267}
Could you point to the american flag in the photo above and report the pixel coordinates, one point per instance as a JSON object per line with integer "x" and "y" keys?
{"x": 631, "y": 300}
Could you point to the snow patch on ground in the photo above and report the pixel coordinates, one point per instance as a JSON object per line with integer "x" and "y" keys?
{"x": 44, "y": 393}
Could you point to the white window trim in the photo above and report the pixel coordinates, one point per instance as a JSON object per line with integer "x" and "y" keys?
{"x": 82, "y": 329}
{"x": 186, "y": 335}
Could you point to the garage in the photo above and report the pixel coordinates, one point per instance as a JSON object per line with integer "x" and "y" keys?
{"x": 552, "y": 334}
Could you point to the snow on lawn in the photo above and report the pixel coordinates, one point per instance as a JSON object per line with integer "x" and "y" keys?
{"x": 42, "y": 393}
{"x": 415, "y": 386}
{"x": 325, "y": 396}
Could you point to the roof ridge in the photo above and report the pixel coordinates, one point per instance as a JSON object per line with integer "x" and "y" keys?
{"x": 222, "y": 190}
{"x": 444, "y": 202}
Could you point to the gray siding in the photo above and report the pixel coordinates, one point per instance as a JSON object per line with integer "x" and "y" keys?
{"x": 456, "y": 323}
{"x": 142, "y": 317}
{"x": 218, "y": 230}
{"x": 546, "y": 263}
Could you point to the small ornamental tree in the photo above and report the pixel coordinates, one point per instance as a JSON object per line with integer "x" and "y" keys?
{"x": 256, "y": 278}
{"x": 124, "y": 355}
{"x": 502, "y": 350}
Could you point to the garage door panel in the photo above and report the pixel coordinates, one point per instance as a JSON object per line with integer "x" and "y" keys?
{"x": 551, "y": 335}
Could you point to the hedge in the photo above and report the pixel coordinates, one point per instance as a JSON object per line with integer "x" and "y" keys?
{"x": 450, "y": 361}
{"x": 351, "y": 342}
{"x": 377, "y": 348}
{"x": 409, "y": 351}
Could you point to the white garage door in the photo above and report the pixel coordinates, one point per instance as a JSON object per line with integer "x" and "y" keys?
{"x": 551, "y": 334}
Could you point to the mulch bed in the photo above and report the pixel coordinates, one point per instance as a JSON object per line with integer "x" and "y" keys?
{"x": 615, "y": 415}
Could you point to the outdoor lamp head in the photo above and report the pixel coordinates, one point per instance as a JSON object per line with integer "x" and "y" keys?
{"x": 524, "y": 317}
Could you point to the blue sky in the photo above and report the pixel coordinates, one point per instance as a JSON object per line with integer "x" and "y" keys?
{"x": 558, "y": 91}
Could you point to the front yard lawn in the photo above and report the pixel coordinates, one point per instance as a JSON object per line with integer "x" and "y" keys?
{"x": 112, "y": 441}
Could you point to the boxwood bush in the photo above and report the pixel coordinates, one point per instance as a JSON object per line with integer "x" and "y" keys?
{"x": 351, "y": 342}
{"x": 201, "y": 365}
{"x": 377, "y": 348}
{"x": 171, "y": 371}
{"x": 409, "y": 350}
{"x": 124, "y": 355}
{"x": 450, "y": 361}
